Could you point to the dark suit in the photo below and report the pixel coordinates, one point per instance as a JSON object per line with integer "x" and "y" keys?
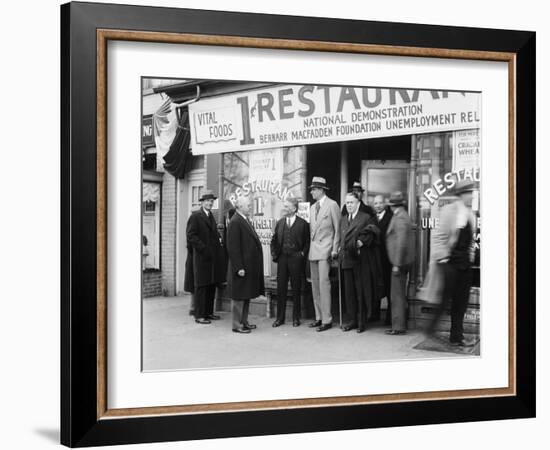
{"x": 289, "y": 249}
{"x": 245, "y": 252}
{"x": 386, "y": 265}
{"x": 208, "y": 267}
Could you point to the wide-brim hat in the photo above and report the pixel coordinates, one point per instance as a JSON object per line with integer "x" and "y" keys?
{"x": 319, "y": 182}
{"x": 357, "y": 185}
{"x": 464, "y": 186}
{"x": 207, "y": 194}
{"x": 396, "y": 199}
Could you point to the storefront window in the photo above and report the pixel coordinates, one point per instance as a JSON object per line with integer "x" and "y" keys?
{"x": 151, "y": 226}
{"x": 268, "y": 177}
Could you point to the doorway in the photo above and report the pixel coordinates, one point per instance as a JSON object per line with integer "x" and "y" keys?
{"x": 382, "y": 177}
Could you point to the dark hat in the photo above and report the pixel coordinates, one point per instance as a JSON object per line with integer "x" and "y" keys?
{"x": 207, "y": 194}
{"x": 396, "y": 199}
{"x": 463, "y": 186}
{"x": 319, "y": 182}
{"x": 357, "y": 185}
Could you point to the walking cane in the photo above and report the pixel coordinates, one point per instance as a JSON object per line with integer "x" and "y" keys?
{"x": 340, "y": 293}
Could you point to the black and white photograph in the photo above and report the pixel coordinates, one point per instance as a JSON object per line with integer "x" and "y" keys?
{"x": 300, "y": 224}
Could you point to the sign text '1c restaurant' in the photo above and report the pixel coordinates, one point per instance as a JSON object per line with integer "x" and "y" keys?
{"x": 267, "y": 141}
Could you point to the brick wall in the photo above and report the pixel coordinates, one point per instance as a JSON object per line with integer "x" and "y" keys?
{"x": 152, "y": 284}
{"x": 168, "y": 235}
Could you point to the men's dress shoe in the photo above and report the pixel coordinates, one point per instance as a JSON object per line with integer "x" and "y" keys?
{"x": 395, "y": 332}
{"x": 348, "y": 327}
{"x": 202, "y": 321}
{"x": 213, "y": 317}
{"x": 315, "y": 324}
{"x": 361, "y": 329}
{"x": 296, "y": 323}
{"x": 324, "y": 327}
{"x": 249, "y": 326}
{"x": 462, "y": 343}
{"x": 277, "y": 323}
{"x": 241, "y": 330}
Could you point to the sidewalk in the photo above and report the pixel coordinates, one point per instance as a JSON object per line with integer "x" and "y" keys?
{"x": 172, "y": 340}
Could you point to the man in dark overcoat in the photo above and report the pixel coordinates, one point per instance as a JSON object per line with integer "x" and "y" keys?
{"x": 358, "y": 239}
{"x": 400, "y": 242}
{"x": 289, "y": 249}
{"x": 383, "y": 215}
{"x": 246, "y": 268}
{"x": 208, "y": 268}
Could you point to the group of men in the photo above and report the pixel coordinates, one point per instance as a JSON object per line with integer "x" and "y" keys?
{"x": 372, "y": 248}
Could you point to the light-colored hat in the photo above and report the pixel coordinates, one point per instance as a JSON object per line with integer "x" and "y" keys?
{"x": 463, "y": 186}
{"x": 207, "y": 194}
{"x": 319, "y": 182}
{"x": 396, "y": 199}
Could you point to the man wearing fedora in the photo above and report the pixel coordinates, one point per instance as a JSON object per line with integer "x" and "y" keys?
{"x": 363, "y": 207}
{"x": 208, "y": 265}
{"x": 246, "y": 267}
{"x": 453, "y": 249}
{"x": 325, "y": 238}
{"x": 400, "y": 249}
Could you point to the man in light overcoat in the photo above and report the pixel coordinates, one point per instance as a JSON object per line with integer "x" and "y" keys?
{"x": 325, "y": 238}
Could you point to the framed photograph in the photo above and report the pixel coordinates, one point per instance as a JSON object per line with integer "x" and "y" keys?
{"x": 273, "y": 224}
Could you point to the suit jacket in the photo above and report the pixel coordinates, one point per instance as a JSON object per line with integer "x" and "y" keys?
{"x": 400, "y": 240}
{"x": 245, "y": 252}
{"x": 444, "y": 237}
{"x": 299, "y": 231}
{"x": 208, "y": 255}
{"x": 325, "y": 230}
{"x": 349, "y": 234}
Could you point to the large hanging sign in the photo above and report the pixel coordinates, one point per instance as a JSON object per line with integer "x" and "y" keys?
{"x": 291, "y": 115}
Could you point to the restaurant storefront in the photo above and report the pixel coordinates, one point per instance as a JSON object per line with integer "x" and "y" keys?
{"x": 268, "y": 141}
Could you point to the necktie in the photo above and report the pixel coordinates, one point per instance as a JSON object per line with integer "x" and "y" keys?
{"x": 317, "y": 208}
{"x": 349, "y": 218}
{"x": 288, "y": 222}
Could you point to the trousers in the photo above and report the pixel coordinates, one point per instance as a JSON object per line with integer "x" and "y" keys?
{"x": 204, "y": 300}
{"x": 239, "y": 312}
{"x": 320, "y": 287}
{"x": 293, "y": 267}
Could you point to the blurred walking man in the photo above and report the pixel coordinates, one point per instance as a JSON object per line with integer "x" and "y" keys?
{"x": 453, "y": 249}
